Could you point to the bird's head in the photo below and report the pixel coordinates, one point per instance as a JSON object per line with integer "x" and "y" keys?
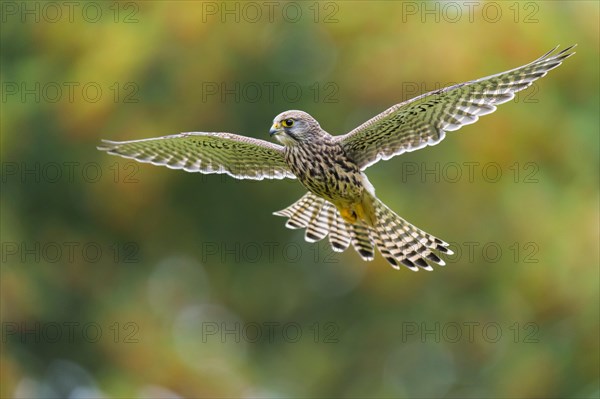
{"x": 293, "y": 127}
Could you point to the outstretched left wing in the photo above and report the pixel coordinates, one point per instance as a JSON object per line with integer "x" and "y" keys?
{"x": 424, "y": 120}
{"x": 238, "y": 156}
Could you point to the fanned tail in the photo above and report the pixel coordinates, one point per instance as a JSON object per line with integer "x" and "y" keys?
{"x": 402, "y": 243}
{"x": 320, "y": 218}
{"x": 399, "y": 242}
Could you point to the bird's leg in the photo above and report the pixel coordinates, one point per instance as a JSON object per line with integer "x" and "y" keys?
{"x": 348, "y": 214}
{"x": 356, "y": 212}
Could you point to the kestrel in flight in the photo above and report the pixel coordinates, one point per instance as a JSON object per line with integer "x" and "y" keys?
{"x": 341, "y": 201}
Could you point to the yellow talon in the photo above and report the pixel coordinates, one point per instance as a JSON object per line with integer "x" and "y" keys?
{"x": 348, "y": 214}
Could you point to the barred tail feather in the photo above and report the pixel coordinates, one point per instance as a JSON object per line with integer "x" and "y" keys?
{"x": 339, "y": 237}
{"x": 318, "y": 227}
{"x": 402, "y": 243}
{"x": 320, "y": 218}
{"x": 362, "y": 241}
{"x": 300, "y": 212}
{"x": 399, "y": 242}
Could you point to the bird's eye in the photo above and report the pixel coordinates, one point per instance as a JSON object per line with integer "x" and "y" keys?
{"x": 287, "y": 122}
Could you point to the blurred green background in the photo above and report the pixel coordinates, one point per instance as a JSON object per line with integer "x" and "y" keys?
{"x": 121, "y": 279}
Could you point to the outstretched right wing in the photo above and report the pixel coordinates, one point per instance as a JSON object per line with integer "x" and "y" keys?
{"x": 238, "y": 156}
{"x": 424, "y": 120}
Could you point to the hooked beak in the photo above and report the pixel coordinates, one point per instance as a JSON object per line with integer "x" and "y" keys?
{"x": 276, "y": 128}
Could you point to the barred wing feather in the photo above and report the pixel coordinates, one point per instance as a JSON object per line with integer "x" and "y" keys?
{"x": 238, "y": 156}
{"x": 424, "y": 120}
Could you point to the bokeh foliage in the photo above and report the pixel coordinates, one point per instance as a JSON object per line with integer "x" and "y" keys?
{"x": 206, "y": 249}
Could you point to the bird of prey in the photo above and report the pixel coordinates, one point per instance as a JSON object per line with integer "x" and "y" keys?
{"x": 341, "y": 201}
